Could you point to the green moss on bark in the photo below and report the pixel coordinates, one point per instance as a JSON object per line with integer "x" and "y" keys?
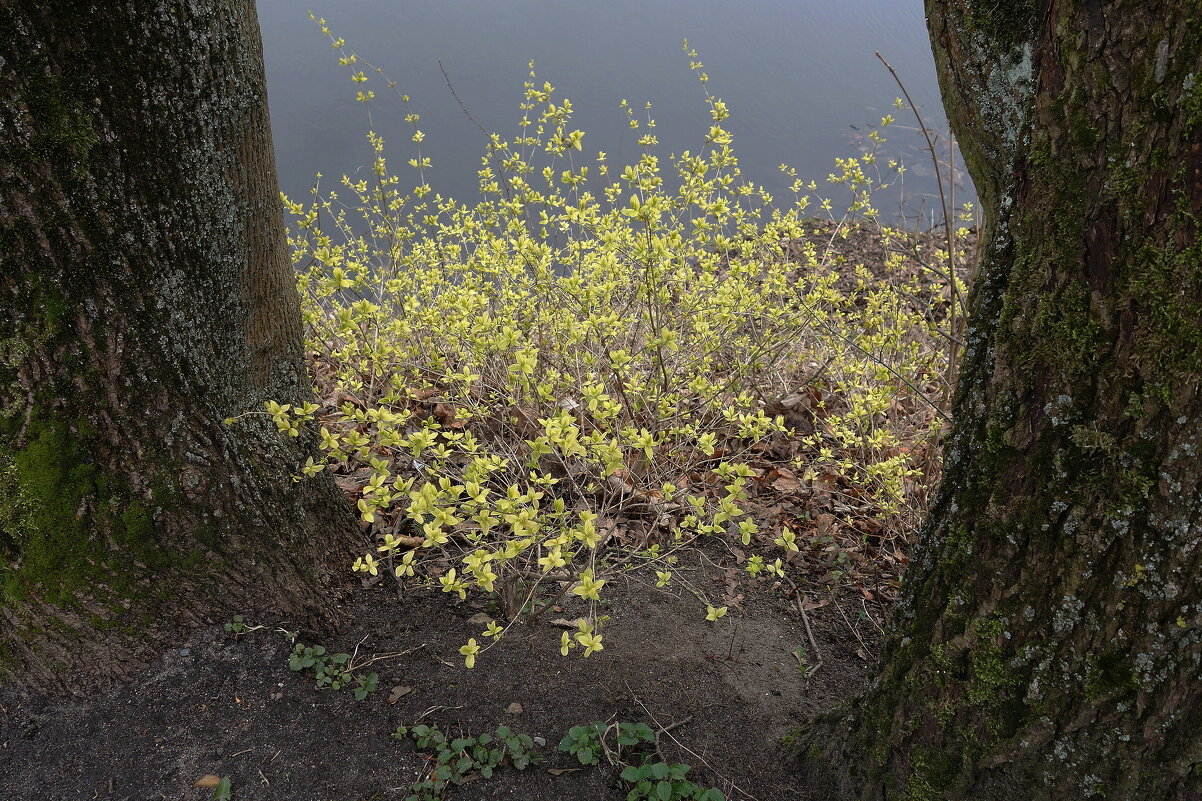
{"x": 56, "y": 513}
{"x": 1005, "y": 25}
{"x": 1174, "y": 338}
{"x": 55, "y": 97}
{"x": 933, "y": 772}
{"x": 65, "y": 134}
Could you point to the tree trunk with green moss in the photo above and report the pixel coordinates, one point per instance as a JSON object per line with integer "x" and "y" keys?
{"x": 147, "y": 297}
{"x": 1049, "y": 640}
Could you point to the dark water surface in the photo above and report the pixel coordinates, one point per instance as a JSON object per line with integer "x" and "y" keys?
{"x": 799, "y": 76}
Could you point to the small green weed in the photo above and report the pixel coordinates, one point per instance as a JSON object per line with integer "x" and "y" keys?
{"x": 799, "y": 653}
{"x": 237, "y": 625}
{"x": 587, "y": 743}
{"x": 623, "y": 744}
{"x": 659, "y": 781}
{"x": 365, "y": 685}
{"x": 584, "y": 742}
{"x": 462, "y": 757}
{"x": 332, "y": 671}
{"x": 222, "y": 791}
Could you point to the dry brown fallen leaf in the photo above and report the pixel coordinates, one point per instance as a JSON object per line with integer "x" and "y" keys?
{"x": 208, "y": 781}
{"x": 398, "y": 692}
{"x": 514, "y": 709}
{"x": 561, "y": 771}
{"x": 784, "y": 480}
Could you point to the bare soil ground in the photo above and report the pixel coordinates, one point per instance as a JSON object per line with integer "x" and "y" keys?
{"x": 230, "y": 706}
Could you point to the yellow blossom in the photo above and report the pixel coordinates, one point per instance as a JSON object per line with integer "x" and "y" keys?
{"x": 589, "y": 587}
{"x": 469, "y": 652}
{"x": 590, "y": 641}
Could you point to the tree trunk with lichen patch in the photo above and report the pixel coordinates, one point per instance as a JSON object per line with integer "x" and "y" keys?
{"x": 147, "y": 297}
{"x": 1049, "y": 640}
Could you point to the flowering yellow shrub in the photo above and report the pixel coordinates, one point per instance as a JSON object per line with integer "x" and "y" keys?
{"x": 567, "y": 377}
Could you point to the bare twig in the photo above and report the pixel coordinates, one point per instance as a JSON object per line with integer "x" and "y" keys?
{"x": 610, "y": 756}
{"x": 867, "y": 614}
{"x": 455, "y": 95}
{"x": 468, "y": 114}
{"x": 352, "y": 666}
{"x": 659, "y": 732}
{"x": 355, "y": 653}
{"x": 535, "y": 611}
{"x": 957, "y": 300}
{"x": 805, "y": 618}
{"x": 799, "y": 599}
{"x": 854, "y": 631}
{"x": 434, "y": 709}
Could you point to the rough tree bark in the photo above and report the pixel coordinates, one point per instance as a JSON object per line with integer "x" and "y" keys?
{"x": 147, "y": 296}
{"x": 1048, "y": 641}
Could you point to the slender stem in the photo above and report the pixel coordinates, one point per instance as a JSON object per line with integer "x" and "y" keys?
{"x": 957, "y": 301}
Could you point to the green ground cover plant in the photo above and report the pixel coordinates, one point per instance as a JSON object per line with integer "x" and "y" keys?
{"x": 332, "y": 671}
{"x": 594, "y": 366}
{"x": 633, "y": 748}
{"x": 456, "y": 760}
